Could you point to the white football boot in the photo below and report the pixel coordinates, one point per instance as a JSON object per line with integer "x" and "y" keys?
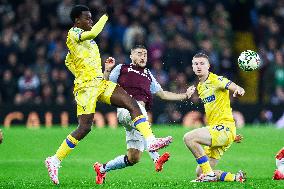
{"x": 159, "y": 143}
{"x": 52, "y": 166}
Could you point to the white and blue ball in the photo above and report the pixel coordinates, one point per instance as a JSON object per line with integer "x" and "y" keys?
{"x": 249, "y": 60}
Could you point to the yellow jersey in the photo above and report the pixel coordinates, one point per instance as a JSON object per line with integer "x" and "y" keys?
{"x": 83, "y": 59}
{"x": 214, "y": 94}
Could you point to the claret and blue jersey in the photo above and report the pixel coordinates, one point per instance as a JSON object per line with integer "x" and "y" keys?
{"x": 137, "y": 82}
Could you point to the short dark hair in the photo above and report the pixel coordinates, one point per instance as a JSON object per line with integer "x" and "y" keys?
{"x": 77, "y": 11}
{"x": 202, "y": 55}
{"x": 138, "y": 47}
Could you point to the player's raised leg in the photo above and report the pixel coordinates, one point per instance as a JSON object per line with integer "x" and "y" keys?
{"x": 53, "y": 163}
{"x": 279, "y": 172}
{"x": 121, "y": 99}
{"x": 194, "y": 141}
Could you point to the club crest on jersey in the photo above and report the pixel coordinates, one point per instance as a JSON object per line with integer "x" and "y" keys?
{"x": 92, "y": 41}
{"x": 208, "y": 99}
{"x": 142, "y": 74}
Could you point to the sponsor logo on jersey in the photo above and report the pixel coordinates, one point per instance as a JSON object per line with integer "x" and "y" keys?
{"x": 208, "y": 99}
{"x": 142, "y": 74}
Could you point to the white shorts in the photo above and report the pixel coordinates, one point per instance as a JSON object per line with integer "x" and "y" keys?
{"x": 134, "y": 139}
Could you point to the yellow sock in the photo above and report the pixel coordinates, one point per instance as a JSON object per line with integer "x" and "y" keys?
{"x": 143, "y": 126}
{"x": 204, "y": 164}
{"x": 66, "y": 147}
{"x": 227, "y": 176}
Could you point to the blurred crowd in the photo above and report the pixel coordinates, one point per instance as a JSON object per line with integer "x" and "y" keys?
{"x": 33, "y": 49}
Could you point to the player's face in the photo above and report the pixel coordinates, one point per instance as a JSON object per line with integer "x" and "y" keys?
{"x": 85, "y": 21}
{"x": 200, "y": 66}
{"x": 139, "y": 57}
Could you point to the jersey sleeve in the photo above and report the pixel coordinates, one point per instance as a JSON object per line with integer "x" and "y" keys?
{"x": 114, "y": 74}
{"x": 155, "y": 86}
{"x": 222, "y": 82}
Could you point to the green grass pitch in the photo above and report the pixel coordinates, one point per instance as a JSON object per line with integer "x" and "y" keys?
{"x": 23, "y": 152}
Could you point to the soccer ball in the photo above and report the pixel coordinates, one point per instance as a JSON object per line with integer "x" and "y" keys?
{"x": 249, "y": 60}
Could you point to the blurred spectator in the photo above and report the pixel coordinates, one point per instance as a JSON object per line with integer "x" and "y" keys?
{"x": 8, "y": 42}
{"x": 156, "y": 42}
{"x": 28, "y": 85}
{"x": 119, "y": 29}
{"x": 132, "y": 33}
{"x": 63, "y": 12}
{"x": 227, "y": 66}
{"x": 239, "y": 119}
{"x": 207, "y": 46}
{"x": 159, "y": 73}
{"x": 8, "y": 87}
{"x": 279, "y": 78}
{"x": 193, "y": 119}
{"x": 180, "y": 84}
{"x": 265, "y": 117}
{"x": 280, "y": 122}
{"x": 119, "y": 55}
{"x": 47, "y": 95}
{"x": 41, "y": 67}
{"x": 170, "y": 115}
{"x": 14, "y": 65}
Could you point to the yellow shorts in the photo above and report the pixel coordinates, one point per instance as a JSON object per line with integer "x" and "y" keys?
{"x": 87, "y": 97}
{"x": 222, "y": 138}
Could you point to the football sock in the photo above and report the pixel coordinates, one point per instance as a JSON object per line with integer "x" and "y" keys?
{"x": 227, "y": 176}
{"x": 119, "y": 162}
{"x": 66, "y": 147}
{"x": 204, "y": 165}
{"x": 154, "y": 156}
{"x": 143, "y": 126}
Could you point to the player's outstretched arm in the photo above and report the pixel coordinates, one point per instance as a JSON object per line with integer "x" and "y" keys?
{"x": 109, "y": 64}
{"x": 167, "y": 95}
{"x": 237, "y": 90}
{"x": 96, "y": 29}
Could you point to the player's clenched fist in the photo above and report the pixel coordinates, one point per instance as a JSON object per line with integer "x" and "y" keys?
{"x": 1, "y": 136}
{"x": 239, "y": 92}
{"x": 238, "y": 138}
{"x": 109, "y": 64}
{"x": 190, "y": 91}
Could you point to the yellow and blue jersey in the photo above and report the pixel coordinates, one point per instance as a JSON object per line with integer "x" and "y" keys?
{"x": 214, "y": 94}
{"x": 83, "y": 59}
